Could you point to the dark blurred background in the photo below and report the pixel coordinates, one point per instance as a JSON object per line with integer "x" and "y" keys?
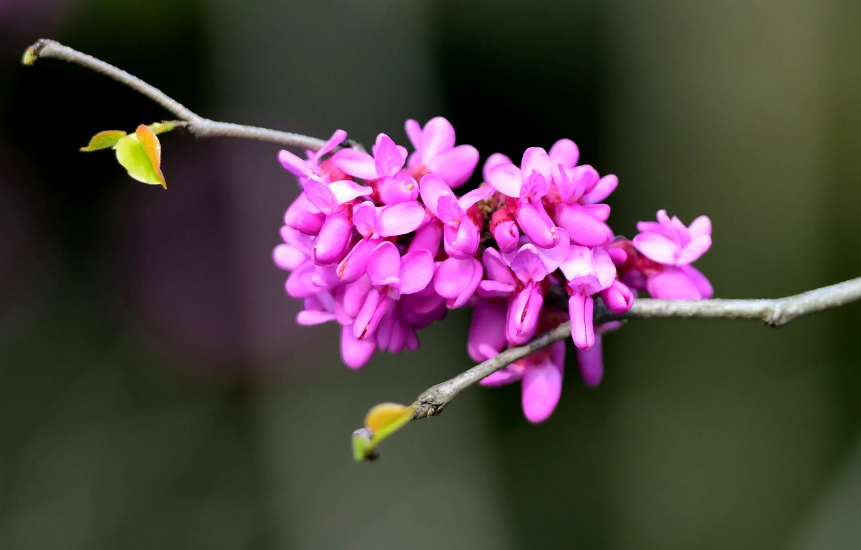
{"x": 156, "y": 392}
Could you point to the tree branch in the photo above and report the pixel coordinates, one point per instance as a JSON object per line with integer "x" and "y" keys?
{"x": 194, "y": 124}
{"x": 774, "y": 313}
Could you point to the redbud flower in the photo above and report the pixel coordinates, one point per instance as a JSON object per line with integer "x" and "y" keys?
{"x": 669, "y": 243}
{"x": 528, "y": 184}
{"x": 304, "y": 169}
{"x": 334, "y": 201}
{"x": 436, "y": 153}
{"x": 588, "y": 271}
{"x": 461, "y": 235}
{"x": 383, "y": 169}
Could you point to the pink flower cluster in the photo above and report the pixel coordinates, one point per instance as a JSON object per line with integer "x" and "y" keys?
{"x": 382, "y": 244}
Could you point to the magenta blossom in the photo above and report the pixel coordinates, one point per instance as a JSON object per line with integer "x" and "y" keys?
{"x": 669, "y": 243}
{"x": 312, "y": 167}
{"x": 528, "y": 184}
{"x": 383, "y": 169}
{"x": 592, "y": 362}
{"x": 588, "y": 271}
{"x": 437, "y": 154}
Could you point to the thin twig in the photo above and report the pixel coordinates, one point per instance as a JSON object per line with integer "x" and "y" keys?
{"x": 195, "y": 124}
{"x": 774, "y": 313}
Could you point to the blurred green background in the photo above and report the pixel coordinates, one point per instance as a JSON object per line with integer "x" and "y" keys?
{"x": 156, "y": 392}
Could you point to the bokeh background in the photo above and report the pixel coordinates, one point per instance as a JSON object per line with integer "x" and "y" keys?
{"x": 156, "y": 393}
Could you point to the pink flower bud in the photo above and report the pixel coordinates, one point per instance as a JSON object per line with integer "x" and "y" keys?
{"x": 507, "y": 236}
{"x": 618, "y": 297}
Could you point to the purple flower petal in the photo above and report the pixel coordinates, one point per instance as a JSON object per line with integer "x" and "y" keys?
{"x": 432, "y": 188}
{"x": 580, "y": 308}
{"x": 507, "y": 236}
{"x": 673, "y": 284}
{"x": 474, "y": 196}
{"x": 534, "y": 224}
{"x": 352, "y": 267}
{"x": 582, "y": 228}
{"x": 455, "y": 166}
{"x": 493, "y": 160}
{"x": 496, "y": 267}
{"x": 700, "y": 226}
{"x": 356, "y": 353}
{"x": 592, "y": 363}
{"x": 564, "y": 152}
{"x": 309, "y": 317}
{"x": 348, "y": 190}
{"x": 356, "y": 163}
{"x": 699, "y": 280}
{"x": 601, "y": 191}
{"x": 365, "y": 218}
{"x": 528, "y": 266}
{"x": 417, "y": 270}
{"x": 383, "y": 264}
{"x": 294, "y": 164}
{"x": 694, "y": 249}
{"x": 487, "y": 330}
{"x": 506, "y": 179}
{"x": 437, "y": 137}
{"x": 400, "y": 219}
{"x": 388, "y": 157}
{"x": 334, "y": 239}
{"x": 414, "y": 132}
{"x": 453, "y": 276}
{"x": 372, "y": 312}
{"x": 320, "y": 196}
{"x": 288, "y": 257}
{"x": 429, "y": 238}
{"x": 535, "y": 159}
{"x": 656, "y": 247}
{"x": 337, "y": 138}
{"x": 542, "y": 387}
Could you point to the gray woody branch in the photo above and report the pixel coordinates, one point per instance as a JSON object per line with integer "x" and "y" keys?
{"x": 774, "y": 313}
{"x": 194, "y": 124}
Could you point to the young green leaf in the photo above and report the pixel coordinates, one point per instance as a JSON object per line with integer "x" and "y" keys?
{"x": 162, "y": 127}
{"x": 140, "y": 155}
{"x": 104, "y": 140}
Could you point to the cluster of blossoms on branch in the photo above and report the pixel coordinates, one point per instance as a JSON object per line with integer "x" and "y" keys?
{"x": 383, "y": 244}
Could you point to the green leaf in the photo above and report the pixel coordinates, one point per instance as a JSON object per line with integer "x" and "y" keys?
{"x": 104, "y": 140}
{"x": 381, "y": 421}
{"x": 140, "y": 155}
{"x": 30, "y": 57}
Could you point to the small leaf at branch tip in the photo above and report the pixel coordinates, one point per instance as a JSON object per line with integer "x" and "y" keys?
{"x": 30, "y": 57}
{"x": 104, "y": 140}
{"x": 381, "y": 421}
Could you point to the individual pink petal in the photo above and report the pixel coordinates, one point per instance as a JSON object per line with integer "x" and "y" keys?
{"x": 618, "y": 297}
{"x": 437, "y": 137}
{"x": 542, "y": 387}
{"x": 334, "y": 239}
{"x": 449, "y": 211}
{"x": 320, "y": 196}
{"x": 455, "y": 166}
{"x": 416, "y": 272}
{"x": 598, "y": 211}
{"x": 355, "y": 295}
{"x": 375, "y": 307}
{"x": 386, "y": 328}
{"x": 528, "y": 266}
{"x": 581, "y": 310}
{"x": 453, "y": 276}
{"x": 564, "y": 152}
{"x": 535, "y": 159}
{"x": 399, "y": 336}
{"x": 508, "y": 375}
{"x": 683, "y": 235}
{"x": 497, "y": 268}
{"x": 326, "y": 276}
{"x": 469, "y": 290}
{"x": 389, "y": 159}
{"x": 592, "y": 363}
{"x": 412, "y": 343}
{"x": 507, "y": 236}
{"x": 582, "y": 228}
{"x": 487, "y": 330}
{"x": 700, "y": 226}
{"x": 618, "y": 255}
{"x": 673, "y": 284}
{"x": 288, "y": 257}
{"x": 534, "y": 187}
{"x": 523, "y": 314}
{"x": 300, "y": 283}
{"x": 356, "y": 163}
{"x": 383, "y": 264}
{"x": 534, "y": 224}
{"x": 428, "y": 237}
{"x": 309, "y": 317}
{"x": 356, "y": 353}
{"x": 493, "y": 160}
{"x": 564, "y": 184}
{"x": 694, "y": 249}
{"x": 365, "y": 218}
{"x": 468, "y": 238}
{"x": 475, "y": 196}
{"x": 337, "y": 138}
{"x": 348, "y": 190}
{"x": 656, "y": 247}
{"x": 699, "y": 280}
{"x": 400, "y": 188}
{"x": 601, "y": 191}
{"x": 294, "y": 164}
{"x": 352, "y": 267}
{"x": 432, "y": 188}
{"x": 604, "y": 267}
{"x": 578, "y": 262}
{"x": 506, "y": 179}
{"x": 400, "y": 219}
{"x": 654, "y": 227}
{"x": 414, "y": 132}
